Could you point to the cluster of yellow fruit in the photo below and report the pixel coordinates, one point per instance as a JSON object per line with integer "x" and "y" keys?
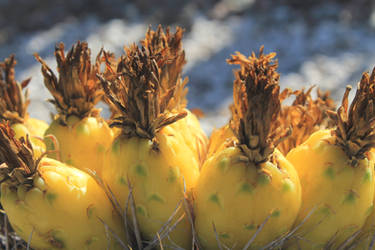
{"x": 276, "y": 176}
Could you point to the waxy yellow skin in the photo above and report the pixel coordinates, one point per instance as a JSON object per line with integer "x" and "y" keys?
{"x": 157, "y": 178}
{"x": 193, "y": 135}
{"x": 340, "y": 195}
{"x": 82, "y": 143}
{"x": 35, "y": 129}
{"x": 237, "y": 199}
{"x": 61, "y": 210}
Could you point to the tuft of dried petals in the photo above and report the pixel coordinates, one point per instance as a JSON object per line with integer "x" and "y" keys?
{"x": 256, "y": 105}
{"x": 171, "y": 59}
{"x": 304, "y": 116}
{"x": 18, "y": 165}
{"x": 137, "y": 94}
{"x": 13, "y": 101}
{"x": 77, "y": 90}
{"x": 355, "y": 125}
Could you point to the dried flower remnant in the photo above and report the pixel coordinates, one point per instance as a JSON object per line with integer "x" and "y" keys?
{"x": 77, "y": 90}
{"x": 13, "y": 102}
{"x": 304, "y": 116}
{"x": 257, "y": 106}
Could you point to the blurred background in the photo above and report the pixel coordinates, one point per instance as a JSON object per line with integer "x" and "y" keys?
{"x": 324, "y": 43}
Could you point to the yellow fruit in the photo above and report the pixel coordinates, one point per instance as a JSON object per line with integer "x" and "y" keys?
{"x": 82, "y": 135}
{"x": 247, "y": 184}
{"x": 170, "y": 70}
{"x": 150, "y": 156}
{"x": 54, "y": 205}
{"x": 13, "y": 107}
{"x": 336, "y": 173}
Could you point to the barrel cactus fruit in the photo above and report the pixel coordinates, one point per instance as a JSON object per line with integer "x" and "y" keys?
{"x": 51, "y": 205}
{"x": 149, "y": 156}
{"x": 170, "y": 46}
{"x": 13, "y": 107}
{"x": 336, "y": 172}
{"x": 248, "y": 194}
{"x": 82, "y": 135}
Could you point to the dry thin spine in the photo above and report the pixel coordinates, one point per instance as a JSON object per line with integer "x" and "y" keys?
{"x": 77, "y": 90}
{"x": 14, "y": 100}
{"x": 305, "y": 116}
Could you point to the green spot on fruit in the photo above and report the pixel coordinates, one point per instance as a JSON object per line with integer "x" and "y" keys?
{"x": 224, "y": 236}
{"x": 246, "y": 188}
{"x": 69, "y": 162}
{"x": 171, "y": 176}
{"x": 90, "y": 211}
{"x": 140, "y": 170}
{"x": 101, "y": 148}
{"x": 350, "y": 197}
{"x": 329, "y": 173}
{"x": 288, "y": 185}
{"x": 325, "y": 210}
{"x": 91, "y": 240}
{"x": 51, "y": 197}
{"x": 156, "y": 197}
{"x": 276, "y": 213}
{"x": 122, "y": 180}
{"x": 141, "y": 210}
{"x": 264, "y": 179}
{"x": 215, "y": 199}
{"x": 223, "y": 164}
{"x": 83, "y": 129}
{"x": 116, "y": 146}
{"x": 250, "y": 227}
{"x": 367, "y": 177}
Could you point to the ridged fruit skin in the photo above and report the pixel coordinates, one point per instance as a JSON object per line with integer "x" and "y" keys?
{"x": 82, "y": 143}
{"x": 341, "y": 195}
{"x": 193, "y": 135}
{"x": 157, "y": 178}
{"x": 35, "y": 129}
{"x": 236, "y": 198}
{"x": 62, "y": 210}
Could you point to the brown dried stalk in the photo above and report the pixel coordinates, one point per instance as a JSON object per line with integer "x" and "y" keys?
{"x": 257, "y": 106}
{"x": 13, "y": 102}
{"x": 355, "y": 132}
{"x": 136, "y": 92}
{"x": 77, "y": 90}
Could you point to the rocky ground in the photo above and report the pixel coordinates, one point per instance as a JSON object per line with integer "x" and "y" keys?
{"x": 317, "y": 43}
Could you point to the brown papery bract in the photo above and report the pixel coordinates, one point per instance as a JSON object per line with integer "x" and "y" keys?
{"x": 171, "y": 59}
{"x": 305, "y": 116}
{"x": 13, "y": 101}
{"x": 256, "y": 105}
{"x": 77, "y": 90}
{"x": 18, "y": 165}
{"x": 355, "y": 132}
{"x": 136, "y": 92}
